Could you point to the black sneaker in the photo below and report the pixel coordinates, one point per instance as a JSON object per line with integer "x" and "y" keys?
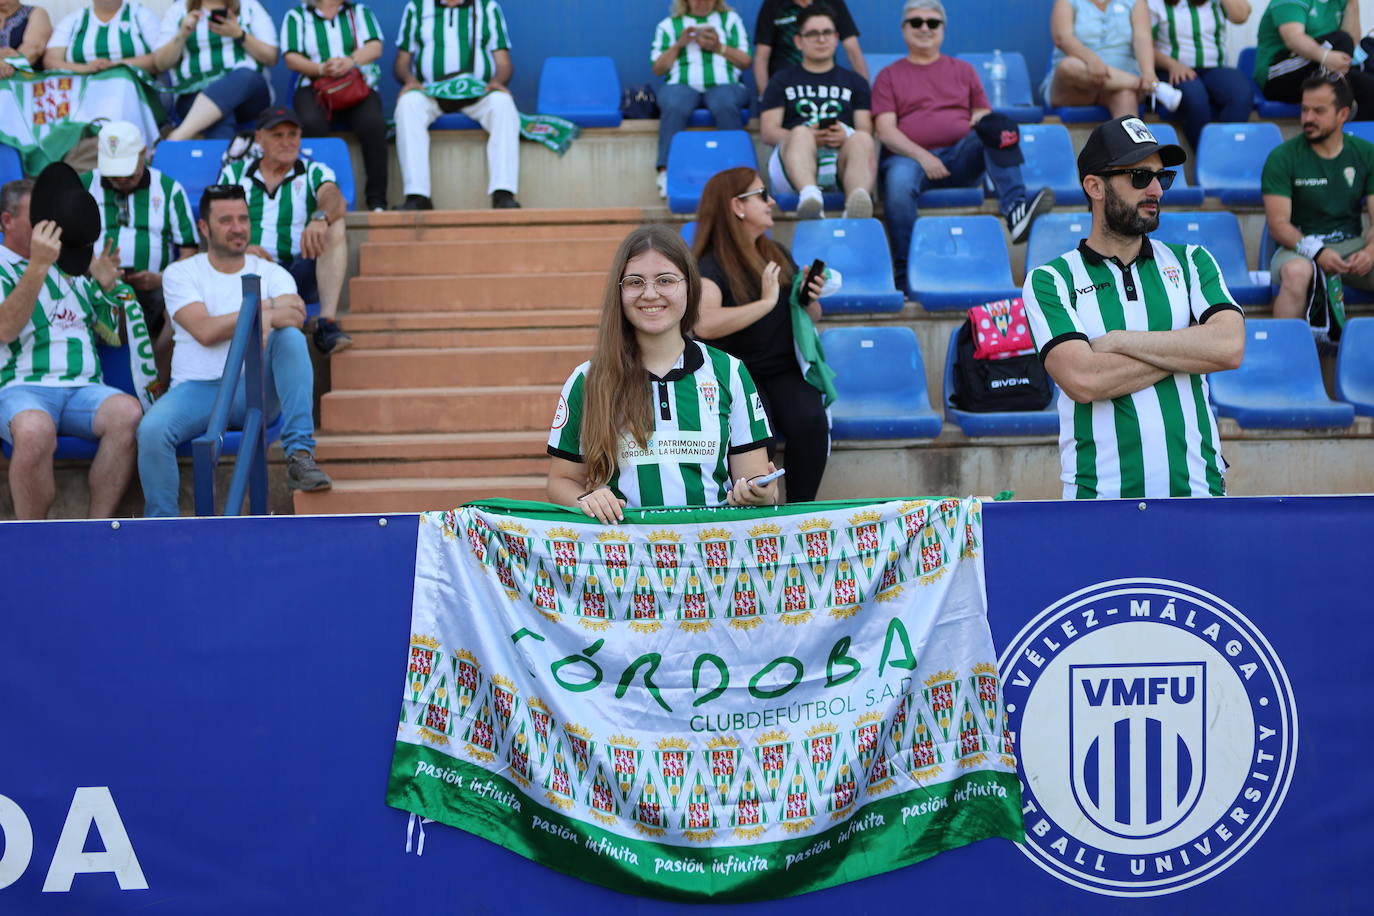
{"x": 1024, "y": 212}
{"x": 504, "y": 200}
{"x": 330, "y": 338}
{"x": 302, "y": 473}
{"x": 416, "y": 202}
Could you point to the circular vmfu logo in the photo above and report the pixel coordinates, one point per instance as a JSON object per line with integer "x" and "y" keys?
{"x": 1157, "y": 735}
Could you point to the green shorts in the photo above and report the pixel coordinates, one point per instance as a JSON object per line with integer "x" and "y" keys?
{"x": 1344, "y": 248}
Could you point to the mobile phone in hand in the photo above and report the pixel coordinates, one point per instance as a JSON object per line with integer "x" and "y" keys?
{"x": 816, "y": 269}
{"x": 763, "y": 479}
{"x": 218, "y": 16}
{"x": 827, "y": 123}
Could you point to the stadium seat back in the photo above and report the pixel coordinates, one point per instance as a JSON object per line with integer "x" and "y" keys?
{"x": 1267, "y": 109}
{"x": 1020, "y": 102}
{"x": 1362, "y": 129}
{"x": 585, "y": 90}
{"x": 333, "y": 152}
{"x": 995, "y": 423}
{"x": 858, "y": 249}
{"x": 689, "y": 232}
{"x": 877, "y": 63}
{"x": 1054, "y": 234}
{"x": 194, "y": 163}
{"x": 881, "y": 384}
{"x": 1051, "y": 162}
{"x": 1218, "y": 232}
{"x": 1355, "y": 365}
{"x": 1279, "y": 383}
{"x": 454, "y": 120}
{"x": 1181, "y": 194}
{"x": 11, "y": 166}
{"x": 958, "y": 261}
{"x": 1230, "y": 158}
{"x": 697, "y": 155}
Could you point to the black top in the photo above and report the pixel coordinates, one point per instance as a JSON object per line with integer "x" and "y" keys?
{"x": 777, "y": 23}
{"x": 807, "y": 98}
{"x": 765, "y": 347}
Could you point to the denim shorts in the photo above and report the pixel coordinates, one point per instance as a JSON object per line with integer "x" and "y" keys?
{"x": 72, "y": 408}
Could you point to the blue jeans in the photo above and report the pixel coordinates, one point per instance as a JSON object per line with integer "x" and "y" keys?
{"x": 1221, "y": 94}
{"x": 241, "y": 94}
{"x": 904, "y": 180}
{"x": 184, "y": 412}
{"x": 676, "y": 104}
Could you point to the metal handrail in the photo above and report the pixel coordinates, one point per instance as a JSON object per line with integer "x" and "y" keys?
{"x": 250, "y": 465}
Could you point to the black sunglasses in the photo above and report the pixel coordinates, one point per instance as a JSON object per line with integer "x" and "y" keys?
{"x": 916, "y": 22}
{"x": 1141, "y": 178}
{"x": 761, "y": 192}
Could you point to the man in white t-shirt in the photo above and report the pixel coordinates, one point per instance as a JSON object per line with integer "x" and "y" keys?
{"x": 203, "y": 295}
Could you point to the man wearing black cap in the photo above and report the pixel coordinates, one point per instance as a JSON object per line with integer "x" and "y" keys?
{"x": 298, "y": 218}
{"x": 50, "y": 314}
{"x": 1128, "y": 327}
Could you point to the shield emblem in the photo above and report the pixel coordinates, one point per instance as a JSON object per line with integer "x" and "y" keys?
{"x": 1137, "y": 744}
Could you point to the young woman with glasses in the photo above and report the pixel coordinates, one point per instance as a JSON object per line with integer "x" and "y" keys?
{"x": 656, "y": 418}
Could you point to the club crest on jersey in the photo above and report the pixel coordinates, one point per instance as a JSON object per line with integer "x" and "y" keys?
{"x": 560, "y": 416}
{"x": 1174, "y": 275}
{"x": 708, "y": 395}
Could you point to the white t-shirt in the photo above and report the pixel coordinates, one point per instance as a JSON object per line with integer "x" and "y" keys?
{"x": 194, "y": 280}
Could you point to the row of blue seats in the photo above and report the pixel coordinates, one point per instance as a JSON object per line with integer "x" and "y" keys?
{"x": 881, "y": 381}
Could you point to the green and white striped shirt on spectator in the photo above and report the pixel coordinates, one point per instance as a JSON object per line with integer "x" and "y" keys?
{"x": 150, "y": 224}
{"x": 57, "y": 346}
{"x": 132, "y": 32}
{"x": 304, "y": 31}
{"x": 208, "y": 56}
{"x": 441, "y": 38}
{"x": 694, "y": 67}
{"x": 1193, "y": 35}
{"x": 279, "y": 218}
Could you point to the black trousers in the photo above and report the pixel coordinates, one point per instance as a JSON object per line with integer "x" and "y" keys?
{"x": 366, "y": 121}
{"x": 1288, "y": 86}
{"x": 797, "y": 414}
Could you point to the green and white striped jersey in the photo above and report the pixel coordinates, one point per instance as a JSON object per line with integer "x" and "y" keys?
{"x": 306, "y": 32}
{"x": 1161, "y": 440}
{"x": 279, "y": 218}
{"x": 149, "y": 224}
{"x": 448, "y": 41}
{"x": 57, "y": 346}
{"x": 1192, "y": 35}
{"x": 208, "y": 56}
{"x": 705, "y": 409}
{"x": 694, "y": 67}
{"x": 132, "y": 31}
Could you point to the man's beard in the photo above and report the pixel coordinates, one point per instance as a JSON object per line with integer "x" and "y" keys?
{"x": 1315, "y": 137}
{"x": 1126, "y": 220}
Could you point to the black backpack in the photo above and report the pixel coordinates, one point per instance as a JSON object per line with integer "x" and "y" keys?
{"x": 987, "y": 385}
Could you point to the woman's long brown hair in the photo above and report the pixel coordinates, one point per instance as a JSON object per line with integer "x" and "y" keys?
{"x": 616, "y": 401}
{"x": 721, "y": 233}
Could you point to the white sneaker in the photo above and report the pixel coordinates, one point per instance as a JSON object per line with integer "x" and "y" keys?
{"x": 812, "y": 204}
{"x": 1168, "y": 96}
{"x": 858, "y": 205}
{"x": 662, "y": 182}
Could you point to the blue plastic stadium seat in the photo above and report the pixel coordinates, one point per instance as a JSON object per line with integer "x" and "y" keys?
{"x": 787, "y": 201}
{"x": 858, "y": 249}
{"x": 1279, "y": 383}
{"x": 1230, "y": 158}
{"x": 959, "y": 261}
{"x": 1001, "y": 422}
{"x": 585, "y": 90}
{"x": 333, "y": 152}
{"x": 696, "y": 155}
{"x": 702, "y": 117}
{"x": 881, "y": 384}
{"x": 1355, "y": 366}
{"x": 1051, "y": 163}
{"x": 1362, "y": 129}
{"x": 11, "y": 166}
{"x": 455, "y": 120}
{"x": 1020, "y": 103}
{"x": 1078, "y": 114}
{"x": 1182, "y": 194}
{"x": 1267, "y": 109}
{"x": 1218, "y": 232}
{"x": 194, "y": 163}
{"x": 877, "y": 63}
{"x": 689, "y": 232}
{"x": 1054, "y": 234}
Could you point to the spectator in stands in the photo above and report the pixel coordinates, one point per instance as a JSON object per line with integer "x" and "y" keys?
{"x": 146, "y": 216}
{"x": 216, "y": 52}
{"x": 1316, "y": 186}
{"x": 204, "y": 294}
{"x": 746, "y": 310}
{"x": 1134, "y": 420}
{"x": 24, "y": 32}
{"x": 106, "y": 33}
{"x": 1190, "y": 53}
{"x": 1298, "y": 38}
{"x": 1103, "y": 55}
{"x": 938, "y": 130}
{"x": 656, "y": 418}
{"x": 332, "y": 39}
{"x": 776, "y": 29}
{"x": 298, "y": 219}
{"x": 440, "y": 40}
{"x": 50, "y": 381}
{"x": 802, "y": 98}
{"x": 700, "y": 50}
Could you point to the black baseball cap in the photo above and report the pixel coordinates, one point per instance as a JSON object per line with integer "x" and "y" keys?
{"x": 271, "y": 117}
{"x": 1121, "y": 142}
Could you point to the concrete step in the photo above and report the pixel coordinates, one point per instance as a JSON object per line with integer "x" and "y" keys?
{"x": 415, "y": 494}
{"x": 478, "y": 292}
{"x": 523, "y": 255}
{"x": 436, "y": 368}
{"x": 458, "y": 469}
{"x": 478, "y": 319}
{"x": 331, "y": 447}
{"x": 582, "y": 337}
{"x": 527, "y": 223}
{"x": 427, "y": 410}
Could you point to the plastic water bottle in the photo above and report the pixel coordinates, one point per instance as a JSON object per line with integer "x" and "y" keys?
{"x": 997, "y": 76}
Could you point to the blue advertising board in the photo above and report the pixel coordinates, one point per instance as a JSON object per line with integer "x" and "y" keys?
{"x": 198, "y": 716}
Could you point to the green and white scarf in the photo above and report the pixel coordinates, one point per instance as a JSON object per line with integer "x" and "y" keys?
{"x": 554, "y": 132}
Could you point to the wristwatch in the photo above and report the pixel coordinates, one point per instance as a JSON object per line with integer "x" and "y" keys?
{"x": 321, "y": 215}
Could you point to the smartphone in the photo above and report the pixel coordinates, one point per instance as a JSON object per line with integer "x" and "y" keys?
{"x": 768, "y": 478}
{"x": 218, "y": 15}
{"x": 827, "y": 123}
{"x": 815, "y": 270}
